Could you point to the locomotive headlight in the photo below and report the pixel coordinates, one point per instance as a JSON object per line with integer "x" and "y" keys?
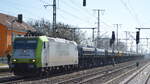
{"x": 33, "y": 60}
{"x": 14, "y": 60}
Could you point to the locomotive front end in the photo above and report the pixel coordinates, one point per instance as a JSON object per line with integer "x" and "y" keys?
{"x": 24, "y": 55}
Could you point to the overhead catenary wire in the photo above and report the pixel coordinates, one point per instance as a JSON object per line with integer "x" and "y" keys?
{"x": 75, "y": 7}
{"x": 65, "y": 11}
{"x": 87, "y": 12}
{"x": 23, "y": 8}
{"x": 74, "y": 16}
{"x": 60, "y": 16}
{"x": 78, "y": 9}
{"x": 130, "y": 10}
{"x": 43, "y": 1}
{"x": 83, "y": 9}
{"x": 136, "y": 15}
{"x": 106, "y": 24}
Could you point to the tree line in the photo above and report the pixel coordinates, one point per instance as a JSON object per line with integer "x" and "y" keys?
{"x": 69, "y": 32}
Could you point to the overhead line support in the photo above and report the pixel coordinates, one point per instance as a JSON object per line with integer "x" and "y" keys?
{"x": 54, "y": 16}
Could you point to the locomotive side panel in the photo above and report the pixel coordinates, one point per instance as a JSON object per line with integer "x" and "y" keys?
{"x": 60, "y": 53}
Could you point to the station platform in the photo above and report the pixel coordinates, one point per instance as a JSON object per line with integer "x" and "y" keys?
{"x": 142, "y": 76}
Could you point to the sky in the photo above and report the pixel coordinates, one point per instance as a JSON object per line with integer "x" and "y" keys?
{"x": 130, "y": 14}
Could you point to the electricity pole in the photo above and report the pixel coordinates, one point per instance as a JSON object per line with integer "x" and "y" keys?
{"x": 126, "y": 40}
{"x": 117, "y": 25}
{"x": 98, "y": 19}
{"x": 98, "y": 24}
{"x": 54, "y": 16}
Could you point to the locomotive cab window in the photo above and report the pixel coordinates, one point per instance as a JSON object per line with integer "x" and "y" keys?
{"x": 25, "y": 44}
{"x": 24, "y": 48}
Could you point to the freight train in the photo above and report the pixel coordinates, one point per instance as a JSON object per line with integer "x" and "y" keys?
{"x": 42, "y": 55}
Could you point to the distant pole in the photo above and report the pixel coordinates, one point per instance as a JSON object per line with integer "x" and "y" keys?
{"x": 74, "y": 34}
{"x": 93, "y": 40}
{"x": 93, "y": 34}
{"x": 126, "y": 40}
{"x": 137, "y": 48}
{"x": 117, "y": 34}
{"x": 117, "y": 25}
{"x": 147, "y": 42}
{"x": 98, "y": 19}
{"x": 98, "y": 24}
{"x": 54, "y": 17}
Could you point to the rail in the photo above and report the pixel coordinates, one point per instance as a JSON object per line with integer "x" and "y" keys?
{"x": 88, "y": 77}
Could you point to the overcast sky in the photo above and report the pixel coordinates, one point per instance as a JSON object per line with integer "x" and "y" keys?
{"x": 129, "y": 13}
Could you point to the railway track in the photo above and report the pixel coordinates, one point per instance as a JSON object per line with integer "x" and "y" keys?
{"x": 138, "y": 73}
{"x": 148, "y": 79}
{"x": 70, "y": 78}
{"x": 10, "y": 79}
{"x": 88, "y": 77}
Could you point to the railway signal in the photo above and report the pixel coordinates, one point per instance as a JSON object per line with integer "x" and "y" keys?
{"x": 137, "y": 37}
{"x": 112, "y": 40}
{"x": 84, "y": 2}
{"x": 113, "y": 36}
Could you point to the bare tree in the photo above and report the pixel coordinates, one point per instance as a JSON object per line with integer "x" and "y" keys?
{"x": 63, "y": 30}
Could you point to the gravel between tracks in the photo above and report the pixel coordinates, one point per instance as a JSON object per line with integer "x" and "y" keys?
{"x": 117, "y": 78}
